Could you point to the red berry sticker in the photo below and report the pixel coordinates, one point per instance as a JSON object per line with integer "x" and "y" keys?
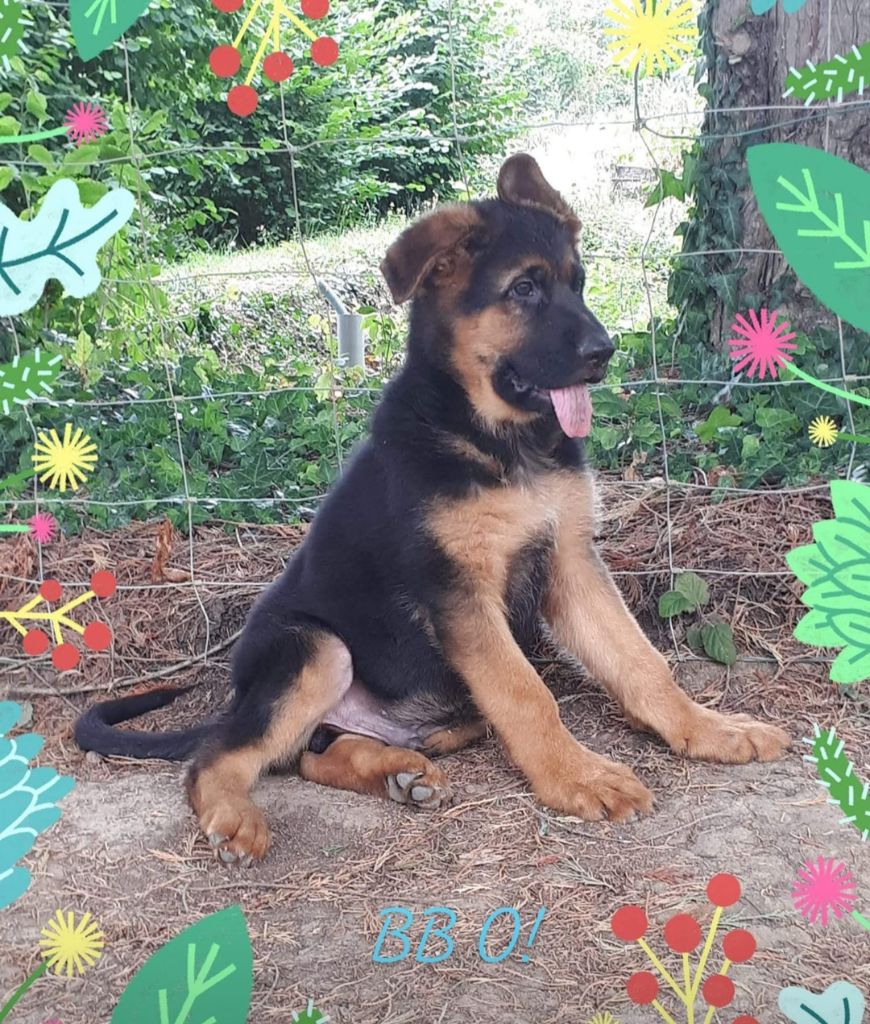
{"x": 242, "y": 100}
{"x": 324, "y": 51}
{"x": 629, "y": 924}
{"x": 723, "y": 890}
{"x": 739, "y": 945}
{"x": 642, "y": 987}
{"x": 718, "y": 990}
{"x": 65, "y": 657}
{"x": 683, "y": 933}
{"x": 103, "y": 583}
{"x": 278, "y": 67}
{"x": 50, "y": 590}
{"x": 315, "y": 9}
{"x": 225, "y": 61}
{"x": 97, "y": 636}
{"x": 36, "y": 642}
{"x": 61, "y": 618}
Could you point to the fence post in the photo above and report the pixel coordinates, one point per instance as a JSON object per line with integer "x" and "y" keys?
{"x": 351, "y": 346}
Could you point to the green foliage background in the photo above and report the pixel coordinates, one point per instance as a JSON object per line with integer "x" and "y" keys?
{"x": 373, "y": 138}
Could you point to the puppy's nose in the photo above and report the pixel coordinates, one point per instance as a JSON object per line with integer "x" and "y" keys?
{"x": 597, "y": 352}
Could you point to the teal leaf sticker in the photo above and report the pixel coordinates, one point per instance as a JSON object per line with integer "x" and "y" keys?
{"x": 836, "y": 570}
{"x": 28, "y": 802}
{"x": 817, "y": 207}
{"x": 844, "y": 74}
{"x": 27, "y": 377}
{"x": 61, "y": 242}
{"x": 96, "y": 24}
{"x": 837, "y": 774}
{"x": 840, "y": 1003}
{"x": 789, "y": 6}
{"x": 202, "y": 976}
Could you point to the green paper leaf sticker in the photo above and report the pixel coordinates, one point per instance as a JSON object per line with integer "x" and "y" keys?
{"x": 27, "y": 377}
{"x": 844, "y": 74}
{"x": 837, "y": 774}
{"x": 840, "y": 1003}
{"x": 61, "y": 241}
{"x": 837, "y": 571}
{"x": 96, "y": 24}
{"x": 817, "y": 207}
{"x": 202, "y": 976}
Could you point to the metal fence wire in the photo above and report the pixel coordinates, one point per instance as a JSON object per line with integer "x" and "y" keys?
{"x": 647, "y": 125}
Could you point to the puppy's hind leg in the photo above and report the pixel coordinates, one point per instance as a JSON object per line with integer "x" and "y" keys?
{"x": 287, "y": 675}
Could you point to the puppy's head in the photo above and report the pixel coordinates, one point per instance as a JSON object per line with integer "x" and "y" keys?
{"x": 498, "y": 287}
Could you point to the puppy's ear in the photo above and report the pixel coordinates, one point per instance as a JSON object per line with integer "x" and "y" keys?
{"x": 431, "y": 239}
{"x": 521, "y": 183}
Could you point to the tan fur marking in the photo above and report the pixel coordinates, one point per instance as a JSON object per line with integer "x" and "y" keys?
{"x": 479, "y": 341}
{"x": 590, "y": 619}
{"x": 448, "y": 741}
{"x": 364, "y": 765}
{"x": 463, "y": 447}
{"x": 219, "y": 792}
{"x": 480, "y": 535}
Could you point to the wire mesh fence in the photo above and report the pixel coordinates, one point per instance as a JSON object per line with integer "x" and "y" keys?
{"x": 649, "y": 125}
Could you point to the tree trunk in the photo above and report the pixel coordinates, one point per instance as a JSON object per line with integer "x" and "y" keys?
{"x": 748, "y": 59}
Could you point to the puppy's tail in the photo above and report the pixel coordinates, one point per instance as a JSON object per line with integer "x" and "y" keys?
{"x": 94, "y": 730}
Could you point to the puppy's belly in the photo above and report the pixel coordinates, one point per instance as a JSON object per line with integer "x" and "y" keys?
{"x": 359, "y": 712}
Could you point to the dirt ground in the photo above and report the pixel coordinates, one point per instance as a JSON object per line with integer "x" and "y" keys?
{"x": 126, "y": 848}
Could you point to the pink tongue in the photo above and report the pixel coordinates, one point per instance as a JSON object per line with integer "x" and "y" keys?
{"x": 573, "y": 410}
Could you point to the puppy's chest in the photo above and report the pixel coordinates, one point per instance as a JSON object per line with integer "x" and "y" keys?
{"x": 500, "y": 534}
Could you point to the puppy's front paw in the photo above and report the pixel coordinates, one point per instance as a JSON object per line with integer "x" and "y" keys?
{"x": 592, "y": 787}
{"x": 729, "y": 739}
{"x": 238, "y": 831}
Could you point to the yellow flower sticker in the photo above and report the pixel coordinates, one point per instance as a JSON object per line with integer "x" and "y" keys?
{"x": 68, "y": 946}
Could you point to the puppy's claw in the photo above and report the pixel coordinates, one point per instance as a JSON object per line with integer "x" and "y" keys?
{"x": 216, "y": 839}
{"x": 227, "y": 856}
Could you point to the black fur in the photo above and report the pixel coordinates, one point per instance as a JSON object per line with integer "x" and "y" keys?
{"x": 368, "y": 571}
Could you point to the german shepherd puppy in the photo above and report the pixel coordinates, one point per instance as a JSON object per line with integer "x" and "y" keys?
{"x": 401, "y": 626}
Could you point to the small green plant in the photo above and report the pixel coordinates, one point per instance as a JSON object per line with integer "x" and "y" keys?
{"x": 691, "y": 594}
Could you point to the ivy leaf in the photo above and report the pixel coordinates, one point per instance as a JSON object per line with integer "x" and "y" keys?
{"x": 693, "y": 588}
{"x": 718, "y": 643}
{"x": 817, "y": 207}
{"x": 721, "y": 416}
{"x": 61, "y": 242}
{"x": 693, "y": 638}
{"x": 672, "y": 603}
{"x": 36, "y": 105}
{"x": 203, "y": 974}
{"x": 96, "y": 24}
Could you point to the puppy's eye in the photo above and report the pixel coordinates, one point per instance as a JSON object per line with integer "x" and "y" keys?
{"x": 524, "y": 288}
